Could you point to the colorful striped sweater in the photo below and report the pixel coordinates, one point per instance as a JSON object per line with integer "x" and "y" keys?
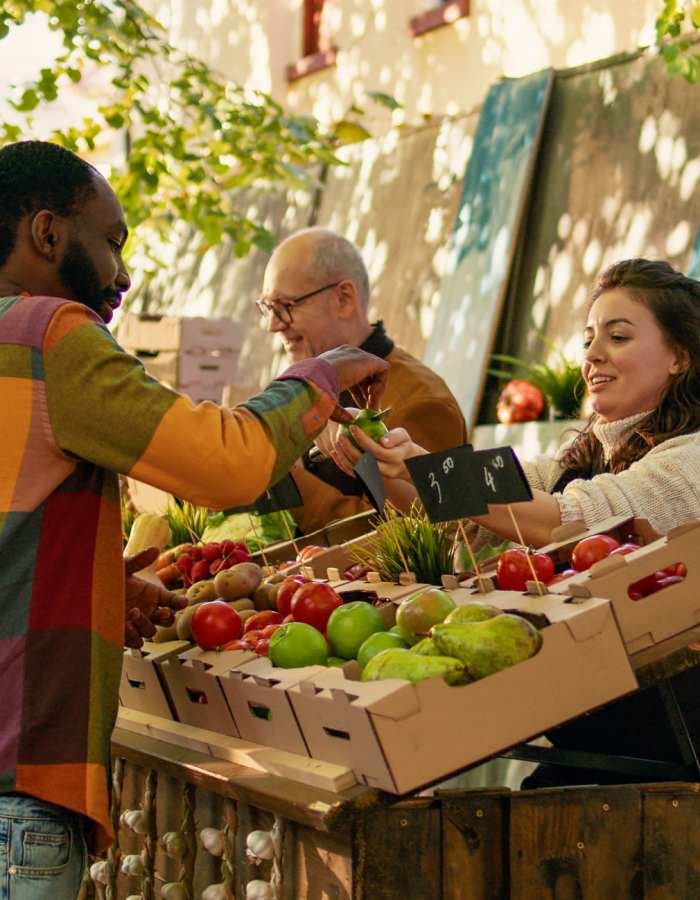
{"x": 77, "y": 410}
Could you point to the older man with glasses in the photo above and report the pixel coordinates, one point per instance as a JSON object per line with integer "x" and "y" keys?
{"x": 316, "y": 297}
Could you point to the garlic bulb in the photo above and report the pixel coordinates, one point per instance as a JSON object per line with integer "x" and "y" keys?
{"x": 259, "y": 846}
{"x": 135, "y": 819}
{"x": 216, "y": 892}
{"x": 99, "y": 871}
{"x": 133, "y": 865}
{"x": 174, "y": 843}
{"x": 212, "y": 840}
{"x": 259, "y": 890}
{"x": 174, "y": 890}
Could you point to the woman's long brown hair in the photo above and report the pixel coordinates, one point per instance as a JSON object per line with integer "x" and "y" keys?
{"x": 674, "y": 300}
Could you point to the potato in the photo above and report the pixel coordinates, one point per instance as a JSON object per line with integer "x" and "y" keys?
{"x": 201, "y": 590}
{"x": 241, "y": 604}
{"x": 265, "y": 597}
{"x": 183, "y": 622}
{"x": 240, "y": 580}
{"x": 245, "y": 614}
{"x": 165, "y": 633}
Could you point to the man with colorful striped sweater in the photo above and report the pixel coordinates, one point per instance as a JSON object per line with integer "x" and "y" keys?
{"x": 76, "y": 411}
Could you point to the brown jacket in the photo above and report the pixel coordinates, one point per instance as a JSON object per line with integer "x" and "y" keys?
{"x": 421, "y": 403}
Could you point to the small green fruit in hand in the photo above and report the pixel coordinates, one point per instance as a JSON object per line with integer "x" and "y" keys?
{"x": 297, "y": 644}
{"x": 350, "y": 625}
{"x": 371, "y": 421}
{"x": 375, "y": 643}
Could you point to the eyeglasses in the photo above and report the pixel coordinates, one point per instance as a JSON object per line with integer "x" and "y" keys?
{"x": 282, "y": 309}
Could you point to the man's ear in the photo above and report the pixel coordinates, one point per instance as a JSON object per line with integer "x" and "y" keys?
{"x": 348, "y": 299}
{"x": 46, "y": 233}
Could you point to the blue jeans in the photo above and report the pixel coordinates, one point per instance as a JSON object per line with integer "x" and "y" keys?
{"x": 42, "y": 850}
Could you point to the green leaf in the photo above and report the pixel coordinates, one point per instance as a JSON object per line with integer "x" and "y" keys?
{"x": 347, "y": 132}
{"x": 384, "y": 99}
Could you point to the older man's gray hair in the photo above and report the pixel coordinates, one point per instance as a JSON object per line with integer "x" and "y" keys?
{"x": 336, "y": 258}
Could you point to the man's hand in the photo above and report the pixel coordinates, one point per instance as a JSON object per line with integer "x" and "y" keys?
{"x": 390, "y": 452}
{"x": 363, "y": 374}
{"x": 147, "y": 604}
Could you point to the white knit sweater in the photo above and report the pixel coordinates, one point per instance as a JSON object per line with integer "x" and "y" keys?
{"x": 663, "y": 486}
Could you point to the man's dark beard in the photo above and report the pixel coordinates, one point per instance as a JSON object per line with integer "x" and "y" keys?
{"x": 79, "y": 275}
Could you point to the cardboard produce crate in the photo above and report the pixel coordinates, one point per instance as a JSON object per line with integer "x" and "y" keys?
{"x": 139, "y": 331}
{"x": 162, "y": 365}
{"x": 399, "y": 736}
{"x": 192, "y": 683}
{"x": 332, "y": 536}
{"x": 218, "y": 366}
{"x": 660, "y": 615}
{"x": 257, "y": 696}
{"x": 141, "y": 686}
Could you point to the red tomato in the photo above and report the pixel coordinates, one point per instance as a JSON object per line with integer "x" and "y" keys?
{"x": 214, "y": 624}
{"x": 261, "y": 619}
{"x": 307, "y": 552}
{"x": 286, "y": 591}
{"x": 513, "y": 569}
{"x": 519, "y": 401}
{"x": 668, "y": 581}
{"x": 269, "y": 630}
{"x": 592, "y": 549}
{"x": 238, "y": 644}
{"x": 252, "y": 637}
{"x": 289, "y": 618}
{"x": 262, "y": 647}
{"x": 562, "y": 576}
{"x": 678, "y": 568}
{"x": 623, "y": 550}
{"x": 313, "y": 603}
{"x": 647, "y": 585}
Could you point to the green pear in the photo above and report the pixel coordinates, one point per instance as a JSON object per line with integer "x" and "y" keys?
{"x": 473, "y": 611}
{"x": 407, "y": 665}
{"x": 422, "y": 609}
{"x": 489, "y": 646}
{"x": 426, "y": 647}
{"x": 371, "y": 422}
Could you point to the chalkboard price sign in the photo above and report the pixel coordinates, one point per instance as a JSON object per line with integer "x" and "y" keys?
{"x": 501, "y": 476}
{"x": 447, "y": 484}
{"x": 283, "y": 495}
{"x": 367, "y": 471}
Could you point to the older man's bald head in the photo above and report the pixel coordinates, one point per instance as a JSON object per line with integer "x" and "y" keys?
{"x": 328, "y": 256}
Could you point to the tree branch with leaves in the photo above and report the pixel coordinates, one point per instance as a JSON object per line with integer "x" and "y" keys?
{"x": 193, "y": 137}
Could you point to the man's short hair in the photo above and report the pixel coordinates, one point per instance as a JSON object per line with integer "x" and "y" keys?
{"x": 36, "y": 175}
{"x": 335, "y": 257}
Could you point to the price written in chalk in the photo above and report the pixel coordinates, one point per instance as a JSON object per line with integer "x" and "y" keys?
{"x": 502, "y": 476}
{"x": 446, "y": 484}
{"x": 447, "y": 465}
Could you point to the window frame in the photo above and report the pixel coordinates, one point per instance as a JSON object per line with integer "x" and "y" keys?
{"x": 445, "y": 14}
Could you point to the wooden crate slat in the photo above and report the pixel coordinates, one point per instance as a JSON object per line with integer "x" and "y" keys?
{"x": 671, "y": 861}
{"x": 396, "y": 852}
{"x": 474, "y": 843}
{"x": 575, "y": 842}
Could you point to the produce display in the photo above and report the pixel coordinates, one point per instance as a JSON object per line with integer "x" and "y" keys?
{"x": 307, "y": 664}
